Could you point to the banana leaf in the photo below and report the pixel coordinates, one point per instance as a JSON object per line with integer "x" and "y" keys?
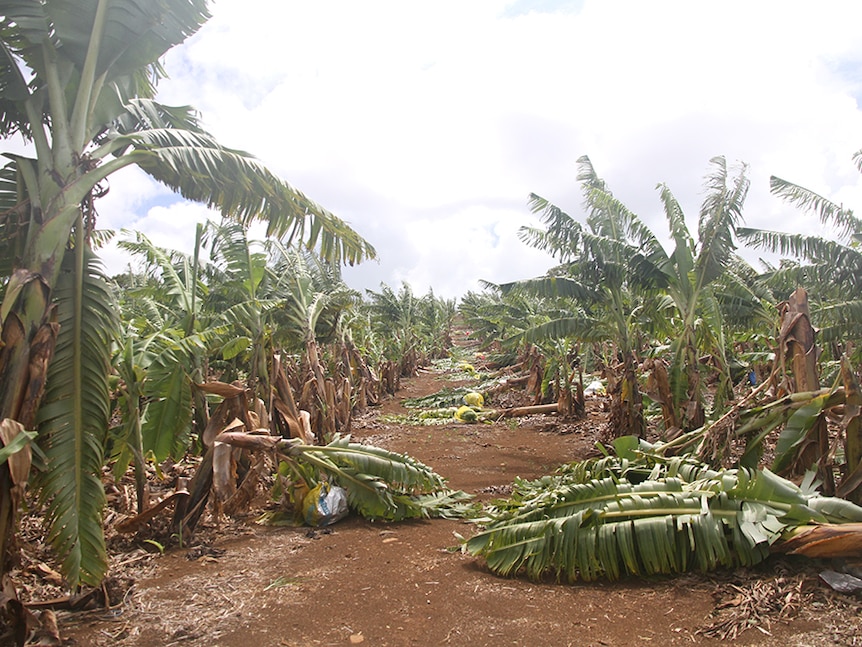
{"x": 696, "y": 518}
{"x": 73, "y": 419}
{"x": 796, "y": 432}
{"x": 380, "y": 484}
{"x": 799, "y": 411}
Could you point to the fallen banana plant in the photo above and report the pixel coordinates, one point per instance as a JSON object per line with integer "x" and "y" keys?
{"x": 430, "y": 417}
{"x": 380, "y": 484}
{"x": 589, "y": 521}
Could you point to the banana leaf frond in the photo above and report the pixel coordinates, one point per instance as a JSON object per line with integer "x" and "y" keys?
{"x": 381, "y": 484}
{"x": 610, "y": 528}
{"x": 799, "y": 412}
{"x": 196, "y": 166}
{"x": 72, "y": 421}
{"x": 400, "y": 471}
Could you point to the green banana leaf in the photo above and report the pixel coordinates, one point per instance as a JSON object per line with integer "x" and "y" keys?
{"x": 167, "y": 422}
{"x": 799, "y": 411}
{"x": 608, "y": 527}
{"x": 796, "y": 431}
{"x": 16, "y": 445}
{"x": 72, "y": 421}
{"x": 380, "y": 484}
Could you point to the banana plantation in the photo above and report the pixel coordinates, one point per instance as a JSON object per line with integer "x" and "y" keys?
{"x": 652, "y": 414}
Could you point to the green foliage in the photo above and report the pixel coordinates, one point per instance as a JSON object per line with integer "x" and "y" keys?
{"x": 73, "y": 420}
{"x": 167, "y": 418}
{"x": 422, "y": 417}
{"x": 446, "y": 397}
{"x": 18, "y": 443}
{"x": 592, "y": 520}
{"x": 798, "y": 413}
{"x": 77, "y": 81}
{"x": 828, "y": 267}
{"x": 407, "y": 326}
{"x": 315, "y": 298}
{"x": 167, "y": 335}
{"x": 381, "y": 484}
{"x": 158, "y": 546}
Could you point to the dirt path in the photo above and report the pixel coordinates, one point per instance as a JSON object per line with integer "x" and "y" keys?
{"x": 401, "y": 584}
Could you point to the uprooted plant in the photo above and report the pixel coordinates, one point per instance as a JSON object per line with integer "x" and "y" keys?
{"x": 640, "y": 513}
{"x": 379, "y": 484}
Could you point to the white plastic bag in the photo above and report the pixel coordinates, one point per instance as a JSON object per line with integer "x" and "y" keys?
{"x": 324, "y": 505}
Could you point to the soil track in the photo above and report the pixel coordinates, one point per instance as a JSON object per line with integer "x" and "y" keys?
{"x": 382, "y": 584}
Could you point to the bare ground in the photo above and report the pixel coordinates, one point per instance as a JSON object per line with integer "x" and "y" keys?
{"x": 245, "y": 585}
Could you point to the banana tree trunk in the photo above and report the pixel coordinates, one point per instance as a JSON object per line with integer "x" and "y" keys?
{"x": 796, "y": 342}
{"x": 823, "y": 541}
{"x": 29, "y": 336}
{"x": 851, "y": 484}
{"x": 286, "y": 417}
{"x": 693, "y": 413}
{"x": 626, "y": 415}
{"x": 658, "y": 388}
{"x": 188, "y": 510}
{"x": 797, "y": 337}
{"x": 517, "y": 412}
{"x": 323, "y": 430}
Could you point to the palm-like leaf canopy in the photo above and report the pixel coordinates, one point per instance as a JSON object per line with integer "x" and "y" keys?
{"x": 241, "y": 188}
{"x": 830, "y": 269}
{"x": 77, "y": 80}
{"x": 609, "y": 265}
{"x": 627, "y": 285}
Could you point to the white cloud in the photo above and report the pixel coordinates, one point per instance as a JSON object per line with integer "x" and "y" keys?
{"x": 427, "y": 124}
{"x": 170, "y": 227}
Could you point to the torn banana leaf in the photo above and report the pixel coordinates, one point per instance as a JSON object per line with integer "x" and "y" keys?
{"x": 609, "y": 527}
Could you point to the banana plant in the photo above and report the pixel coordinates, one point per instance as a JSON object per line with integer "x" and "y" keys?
{"x": 612, "y": 267}
{"x": 240, "y": 290}
{"x": 127, "y": 437}
{"x": 397, "y": 312}
{"x": 799, "y": 416}
{"x": 631, "y": 290}
{"x": 380, "y": 484}
{"x": 505, "y": 318}
{"x": 77, "y": 82}
{"x": 693, "y": 269}
{"x": 73, "y": 420}
{"x": 315, "y": 299}
{"x": 417, "y": 328}
{"x": 829, "y": 268}
{"x": 164, "y": 349}
{"x": 639, "y": 515}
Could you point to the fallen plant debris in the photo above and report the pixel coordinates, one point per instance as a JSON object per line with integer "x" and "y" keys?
{"x": 790, "y": 590}
{"x": 379, "y": 484}
{"x": 757, "y": 604}
{"x": 639, "y": 513}
{"x": 214, "y": 615}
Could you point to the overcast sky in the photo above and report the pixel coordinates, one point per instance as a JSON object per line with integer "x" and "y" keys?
{"x": 426, "y": 124}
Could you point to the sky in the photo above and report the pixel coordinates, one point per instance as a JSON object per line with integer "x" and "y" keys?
{"x": 427, "y": 124}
